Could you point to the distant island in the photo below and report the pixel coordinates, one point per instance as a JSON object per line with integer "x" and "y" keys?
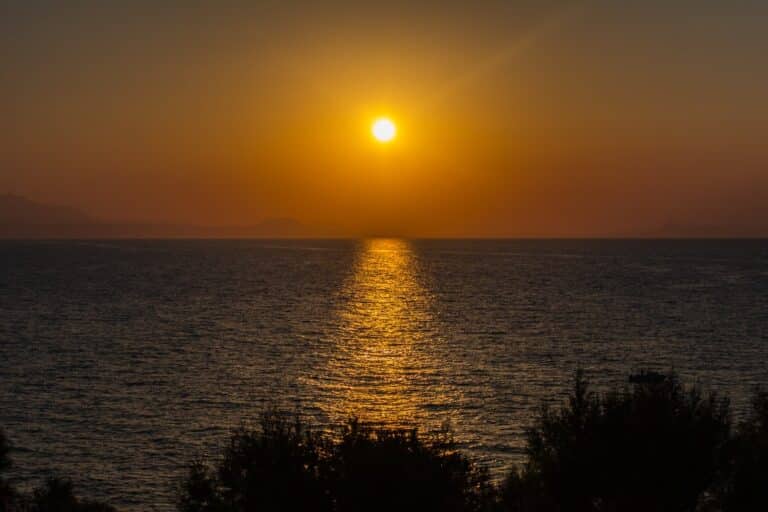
{"x": 23, "y": 218}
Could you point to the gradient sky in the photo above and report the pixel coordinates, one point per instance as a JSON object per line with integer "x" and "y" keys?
{"x": 528, "y": 118}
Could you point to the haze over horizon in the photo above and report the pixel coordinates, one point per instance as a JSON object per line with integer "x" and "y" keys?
{"x": 22, "y": 218}
{"x": 547, "y": 118}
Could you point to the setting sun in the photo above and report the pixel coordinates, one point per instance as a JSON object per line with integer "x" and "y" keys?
{"x": 383, "y": 130}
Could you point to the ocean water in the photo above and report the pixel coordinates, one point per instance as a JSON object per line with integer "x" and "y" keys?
{"x": 121, "y": 361}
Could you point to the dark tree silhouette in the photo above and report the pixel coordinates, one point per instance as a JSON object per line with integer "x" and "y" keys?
{"x": 746, "y": 483}
{"x": 275, "y": 468}
{"x": 385, "y": 470}
{"x": 649, "y": 448}
{"x": 657, "y": 446}
{"x": 198, "y": 492}
{"x": 7, "y": 492}
{"x": 57, "y": 496}
{"x": 5, "y": 459}
{"x": 285, "y": 466}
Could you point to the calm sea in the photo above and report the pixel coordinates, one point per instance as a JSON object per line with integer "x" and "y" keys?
{"x": 121, "y": 361}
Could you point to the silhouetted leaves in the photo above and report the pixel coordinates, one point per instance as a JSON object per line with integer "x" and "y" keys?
{"x": 57, "y": 496}
{"x": 653, "y": 447}
{"x": 198, "y": 492}
{"x": 7, "y": 493}
{"x": 277, "y": 467}
{"x": 381, "y": 469}
{"x": 746, "y": 485}
{"x": 284, "y": 466}
{"x": 5, "y": 459}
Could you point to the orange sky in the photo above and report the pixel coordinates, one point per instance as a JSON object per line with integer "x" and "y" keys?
{"x": 545, "y": 118}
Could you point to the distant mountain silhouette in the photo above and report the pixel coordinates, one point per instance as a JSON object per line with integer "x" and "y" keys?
{"x": 24, "y": 218}
{"x": 24, "y": 212}
{"x": 743, "y": 228}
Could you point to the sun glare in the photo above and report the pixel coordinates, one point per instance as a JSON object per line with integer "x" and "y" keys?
{"x": 383, "y": 130}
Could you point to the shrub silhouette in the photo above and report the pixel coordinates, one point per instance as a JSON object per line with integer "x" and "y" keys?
{"x": 278, "y": 467}
{"x": 649, "y": 448}
{"x": 746, "y": 483}
{"x": 655, "y": 446}
{"x": 5, "y": 459}
{"x": 275, "y": 468}
{"x": 57, "y": 496}
{"x": 199, "y": 492}
{"x": 7, "y": 492}
{"x": 383, "y": 469}
{"x": 285, "y": 466}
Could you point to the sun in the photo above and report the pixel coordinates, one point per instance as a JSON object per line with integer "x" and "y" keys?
{"x": 383, "y": 129}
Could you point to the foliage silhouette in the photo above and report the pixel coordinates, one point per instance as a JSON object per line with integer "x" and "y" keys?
{"x": 276, "y": 467}
{"x": 746, "y": 464}
{"x": 5, "y": 459}
{"x": 384, "y": 470}
{"x": 7, "y": 493}
{"x": 199, "y": 492}
{"x": 57, "y": 496}
{"x": 285, "y": 466}
{"x": 653, "y": 447}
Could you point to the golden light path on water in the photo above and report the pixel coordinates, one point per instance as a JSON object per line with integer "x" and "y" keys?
{"x": 384, "y": 368}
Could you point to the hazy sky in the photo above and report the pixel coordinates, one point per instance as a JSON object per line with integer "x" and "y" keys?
{"x": 554, "y": 118}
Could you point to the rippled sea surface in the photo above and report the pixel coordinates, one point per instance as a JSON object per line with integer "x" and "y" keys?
{"x": 122, "y": 361}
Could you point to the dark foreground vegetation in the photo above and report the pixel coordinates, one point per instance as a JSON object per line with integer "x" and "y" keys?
{"x": 56, "y": 495}
{"x": 655, "y": 446}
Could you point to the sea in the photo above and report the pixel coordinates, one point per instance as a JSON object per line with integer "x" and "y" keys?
{"x": 123, "y": 361}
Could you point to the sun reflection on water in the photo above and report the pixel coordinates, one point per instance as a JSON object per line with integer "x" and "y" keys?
{"x": 383, "y": 369}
